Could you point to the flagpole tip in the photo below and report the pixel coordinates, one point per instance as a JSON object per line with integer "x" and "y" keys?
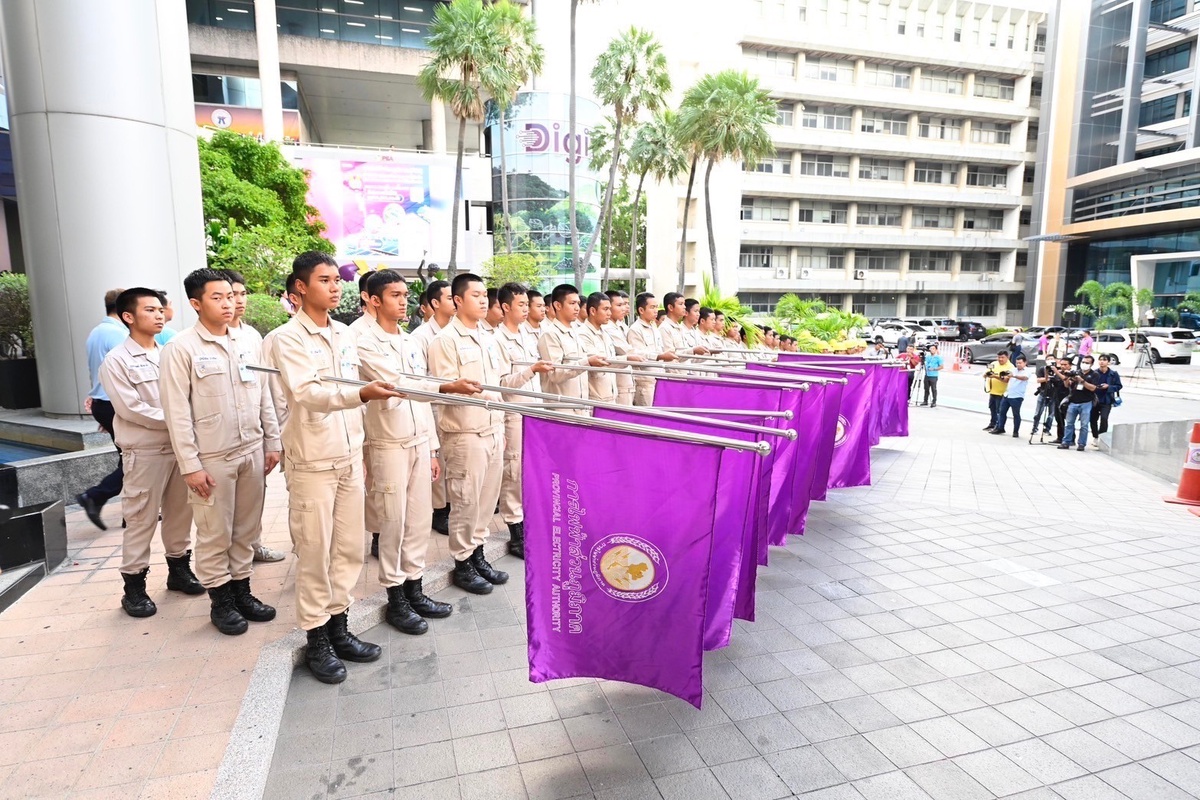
{"x": 791, "y": 435}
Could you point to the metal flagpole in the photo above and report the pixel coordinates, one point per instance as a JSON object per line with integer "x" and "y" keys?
{"x": 762, "y": 448}
{"x": 728, "y": 412}
{"x": 731, "y": 377}
{"x": 759, "y": 374}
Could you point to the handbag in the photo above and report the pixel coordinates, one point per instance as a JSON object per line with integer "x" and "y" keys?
{"x": 1117, "y": 400}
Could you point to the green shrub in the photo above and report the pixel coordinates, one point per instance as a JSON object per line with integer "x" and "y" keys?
{"x": 1000, "y": 329}
{"x": 16, "y": 319}
{"x": 263, "y": 313}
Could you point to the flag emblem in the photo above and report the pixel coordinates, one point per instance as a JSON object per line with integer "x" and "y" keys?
{"x": 839, "y": 437}
{"x": 628, "y": 568}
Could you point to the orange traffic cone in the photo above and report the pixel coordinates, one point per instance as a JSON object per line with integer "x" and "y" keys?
{"x": 1188, "y": 493}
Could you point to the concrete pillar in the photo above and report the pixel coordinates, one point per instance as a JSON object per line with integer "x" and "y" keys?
{"x": 104, "y": 150}
{"x": 266, "y": 30}
{"x": 437, "y": 127}
{"x": 1131, "y": 106}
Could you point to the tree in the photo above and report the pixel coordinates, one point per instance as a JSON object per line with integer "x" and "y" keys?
{"x": 524, "y": 57}
{"x": 630, "y": 75}
{"x": 1110, "y": 305}
{"x": 816, "y": 318}
{"x": 725, "y": 116}
{"x": 467, "y": 41}
{"x": 735, "y": 313}
{"x": 505, "y": 268}
{"x": 256, "y": 211}
{"x": 656, "y": 153}
{"x": 1190, "y": 303}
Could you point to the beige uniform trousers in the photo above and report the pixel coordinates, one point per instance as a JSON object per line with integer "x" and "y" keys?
{"x": 510, "y": 486}
{"x": 371, "y": 510}
{"x": 403, "y": 492}
{"x": 625, "y": 393}
{"x": 229, "y": 521}
{"x": 153, "y": 484}
{"x": 474, "y": 465}
{"x": 643, "y": 393}
{"x": 440, "y": 496}
{"x": 325, "y": 514}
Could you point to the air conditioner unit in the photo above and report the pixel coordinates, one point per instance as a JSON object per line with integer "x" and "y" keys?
{"x": 782, "y": 273}
{"x": 860, "y": 274}
{"x": 805, "y": 274}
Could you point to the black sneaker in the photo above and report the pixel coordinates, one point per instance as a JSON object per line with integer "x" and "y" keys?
{"x": 997, "y": 431}
{"x": 1082, "y": 448}
{"x": 1064, "y": 446}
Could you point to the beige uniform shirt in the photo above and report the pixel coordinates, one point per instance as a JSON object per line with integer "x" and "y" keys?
{"x": 317, "y": 435}
{"x": 618, "y": 334}
{"x": 519, "y": 347}
{"x": 461, "y": 352}
{"x": 215, "y": 407}
{"x": 421, "y": 338}
{"x": 129, "y": 374}
{"x": 647, "y": 341}
{"x": 672, "y": 336}
{"x": 559, "y": 344}
{"x": 389, "y": 357}
{"x": 602, "y": 386}
{"x": 536, "y": 333}
{"x": 278, "y": 399}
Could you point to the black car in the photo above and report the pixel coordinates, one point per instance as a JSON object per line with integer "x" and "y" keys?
{"x": 970, "y": 330}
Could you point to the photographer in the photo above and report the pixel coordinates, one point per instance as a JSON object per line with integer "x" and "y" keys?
{"x": 1082, "y": 384}
{"x": 995, "y": 383}
{"x": 1014, "y": 396}
{"x": 1108, "y": 389}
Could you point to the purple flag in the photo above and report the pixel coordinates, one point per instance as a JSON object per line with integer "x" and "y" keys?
{"x": 895, "y": 415}
{"x": 617, "y": 565}
{"x": 851, "y": 462}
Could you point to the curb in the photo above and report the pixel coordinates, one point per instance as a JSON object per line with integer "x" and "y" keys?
{"x": 246, "y": 764}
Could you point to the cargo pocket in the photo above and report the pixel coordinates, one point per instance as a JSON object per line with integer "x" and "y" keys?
{"x": 301, "y": 518}
{"x": 387, "y": 501}
{"x": 133, "y": 503}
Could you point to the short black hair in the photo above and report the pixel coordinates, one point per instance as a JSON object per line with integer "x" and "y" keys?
{"x": 194, "y": 283}
{"x": 508, "y": 292}
{"x": 289, "y": 286}
{"x": 128, "y": 300}
{"x": 1022, "y": 357}
{"x": 376, "y": 281}
{"x": 493, "y": 297}
{"x": 362, "y": 287}
{"x": 705, "y": 312}
{"x": 304, "y": 264}
{"x": 595, "y": 299}
{"x": 642, "y": 300}
{"x": 233, "y": 275}
{"x": 434, "y": 291}
{"x": 613, "y": 294}
{"x": 562, "y": 292}
{"x": 689, "y": 304}
{"x": 662, "y": 312}
{"x": 532, "y": 293}
{"x": 669, "y": 299}
{"x": 461, "y": 281}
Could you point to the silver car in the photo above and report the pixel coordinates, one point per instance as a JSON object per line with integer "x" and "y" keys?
{"x": 985, "y": 350}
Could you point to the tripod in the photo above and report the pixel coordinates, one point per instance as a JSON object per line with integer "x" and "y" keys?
{"x": 1144, "y": 359}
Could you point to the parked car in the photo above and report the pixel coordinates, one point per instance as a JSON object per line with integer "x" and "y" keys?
{"x": 1166, "y": 344}
{"x": 970, "y": 330}
{"x": 1189, "y": 320}
{"x": 941, "y": 328}
{"x": 891, "y": 332}
{"x": 985, "y": 350}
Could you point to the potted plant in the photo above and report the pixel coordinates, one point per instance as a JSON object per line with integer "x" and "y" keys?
{"x": 18, "y": 368}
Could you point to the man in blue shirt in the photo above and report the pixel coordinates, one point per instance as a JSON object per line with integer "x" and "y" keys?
{"x": 1106, "y": 392}
{"x": 933, "y": 368}
{"x": 167, "y": 333}
{"x": 104, "y": 337}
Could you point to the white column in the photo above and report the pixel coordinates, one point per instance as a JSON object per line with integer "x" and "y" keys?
{"x": 266, "y": 31}
{"x": 437, "y": 126}
{"x": 104, "y": 150}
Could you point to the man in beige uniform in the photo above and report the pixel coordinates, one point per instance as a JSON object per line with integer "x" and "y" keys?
{"x": 371, "y": 510}
{"x": 323, "y": 446}
{"x": 559, "y": 344}
{"x": 618, "y": 333}
{"x": 153, "y": 485}
{"x": 645, "y": 337}
{"x": 537, "y": 314}
{"x": 223, "y": 430}
{"x": 403, "y": 456}
{"x": 674, "y": 334}
{"x": 472, "y": 438}
{"x": 519, "y": 349}
{"x": 602, "y": 386}
{"x": 437, "y": 295}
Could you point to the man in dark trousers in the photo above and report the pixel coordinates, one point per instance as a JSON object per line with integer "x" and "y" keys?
{"x": 103, "y": 338}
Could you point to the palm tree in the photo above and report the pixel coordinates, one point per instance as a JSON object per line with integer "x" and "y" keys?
{"x": 1111, "y": 305}
{"x": 655, "y": 152}
{"x": 727, "y": 118}
{"x": 630, "y": 75}
{"x": 467, "y": 44}
{"x": 603, "y": 147}
{"x": 523, "y": 57}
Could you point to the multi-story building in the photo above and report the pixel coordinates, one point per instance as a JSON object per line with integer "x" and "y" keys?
{"x": 902, "y": 179}
{"x": 1119, "y": 199}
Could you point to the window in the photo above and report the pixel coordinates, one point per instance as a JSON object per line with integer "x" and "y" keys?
{"x": 831, "y": 118}
{"x": 763, "y": 209}
{"x": 991, "y": 86}
{"x": 981, "y": 262}
{"x": 820, "y": 258}
{"x": 887, "y": 75}
{"x": 942, "y": 82}
{"x": 874, "y": 305}
{"x": 1015, "y": 302}
{"x": 820, "y": 165}
{"x": 983, "y": 220}
{"x": 1160, "y": 110}
{"x": 1025, "y": 217}
{"x": 933, "y": 217}
{"x": 767, "y": 62}
{"x": 876, "y": 214}
{"x": 876, "y": 121}
{"x": 822, "y": 212}
{"x": 920, "y": 30}
{"x": 979, "y": 305}
{"x": 901, "y": 28}
{"x": 1169, "y": 60}
{"x": 991, "y": 132}
{"x": 928, "y": 305}
{"x": 928, "y": 261}
{"x": 958, "y": 34}
{"x": 1039, "y": 43}
{"x": 780, "y": 164}
{"x": 758, "y": 257}
{"x": 880, "y": 169}
{"x": 877, "y": 259}
{"x": 785, "y": 114}
{"x": 1164, "y": 10}
{"x": 988, "y": 177}
{"x": 760, "y": 302}
{"x": 1035, "y": 91}
{"x": 829, "y": 69}
{"x": 943, "y": 128}
{"x": 935, "y": 172}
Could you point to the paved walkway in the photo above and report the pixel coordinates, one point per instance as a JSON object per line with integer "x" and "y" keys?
{"x": 989, "y": 618}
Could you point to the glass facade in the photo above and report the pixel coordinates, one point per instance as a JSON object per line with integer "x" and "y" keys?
{"x": 391, "y": 23}
{"x": 1107, "y": 261}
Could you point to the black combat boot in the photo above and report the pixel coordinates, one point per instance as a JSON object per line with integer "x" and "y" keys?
{"x": 135, "y": 601}
{"x": 425, "y": 606}
{"x": 248, "y": 605}
{"x": 180, "y": 577}
{"x": 400, "y": 615}
{"x": 224, "y": 613}
{"x": 348, "y": 646}
{"x": 516, "y": 539}
{"x": 324, "y": 665}
{"x": 441, "y": 520}
{"x": 466, "y": 578}
{"x": 486, "y": 570}
{"x": 374, "y": 545}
